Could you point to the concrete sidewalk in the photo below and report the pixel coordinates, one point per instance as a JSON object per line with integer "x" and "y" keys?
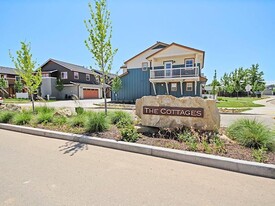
{"x": 40, "y": 171}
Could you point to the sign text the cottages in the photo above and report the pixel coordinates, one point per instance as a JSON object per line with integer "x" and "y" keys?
{"x": 173, "y": 111}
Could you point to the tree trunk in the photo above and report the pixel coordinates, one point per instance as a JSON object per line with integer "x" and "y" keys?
{"x": 32, "y": 103}
{"x": 104, "y": 93}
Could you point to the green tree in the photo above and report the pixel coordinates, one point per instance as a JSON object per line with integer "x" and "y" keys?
{"x": 3, "y": 83}
{"x": 255, "y": 78}
{"x": 116, "y": 85}
{"x": 215, "y": 83}
{"x": 25, "y": 68}
{"x": 18, "y": 86}
{"x": 59, "y": 85}
{"x": 99, "y": 41}
{"x": 239, "y": 80}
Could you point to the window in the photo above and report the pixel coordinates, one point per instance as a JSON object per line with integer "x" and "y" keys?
{"x": 144, "y": 66}
{"x": 173, "y": 87}
{"x": 189, "y": 63}
{"x": 189, "y": 86}
{"x": 17, "y": 78}
{"x": 45, "y": 75}
{"x": 64, "y": 75}
{"x": 76, "y": 75}
{"x": 88, "y": 77}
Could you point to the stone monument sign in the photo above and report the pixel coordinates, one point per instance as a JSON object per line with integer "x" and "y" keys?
{"x": 166, "y": 111}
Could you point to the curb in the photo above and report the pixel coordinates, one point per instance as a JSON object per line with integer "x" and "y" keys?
{"x": 225, "y": 163}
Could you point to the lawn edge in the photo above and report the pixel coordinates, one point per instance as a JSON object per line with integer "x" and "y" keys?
{"x": 225, "y": 163}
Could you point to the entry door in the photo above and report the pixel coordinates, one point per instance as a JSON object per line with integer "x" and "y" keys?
{"x": 168, "y": 69}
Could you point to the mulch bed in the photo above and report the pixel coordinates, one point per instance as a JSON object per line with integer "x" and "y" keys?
{"x": 232, "y": 149}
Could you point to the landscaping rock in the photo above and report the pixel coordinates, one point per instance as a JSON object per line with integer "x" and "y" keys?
{"x": 145, "y": 129}
{"x": 64, "y": 112}
{"x": 185, "y": 111}
{"x": 10, "y": 107}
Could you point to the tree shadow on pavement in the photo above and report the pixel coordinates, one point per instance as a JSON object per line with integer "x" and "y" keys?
{"x": 72, "y": 147}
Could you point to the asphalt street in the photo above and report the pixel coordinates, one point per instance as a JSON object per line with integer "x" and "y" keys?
{"x": 40, "y": 171}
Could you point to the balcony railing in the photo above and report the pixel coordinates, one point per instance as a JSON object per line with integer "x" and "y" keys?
{"x": 174, "y": 73}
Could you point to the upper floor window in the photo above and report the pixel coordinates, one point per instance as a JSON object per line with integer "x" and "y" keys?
{"x": 64, "y": 75}
{"x": 189, "y": 63}
{"x": 76, "y": 75}
{"x": 17, "y": 78}
{"x": 88, "y": 77}
{"x": 144, "y": 66}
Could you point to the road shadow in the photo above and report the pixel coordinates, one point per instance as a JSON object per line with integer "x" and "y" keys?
{"x": 72, "y": 148}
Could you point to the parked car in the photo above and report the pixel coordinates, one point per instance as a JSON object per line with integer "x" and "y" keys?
{"x": 1, "y": 100}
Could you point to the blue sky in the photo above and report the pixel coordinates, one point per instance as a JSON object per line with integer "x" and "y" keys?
{"x": 233, "y": 34}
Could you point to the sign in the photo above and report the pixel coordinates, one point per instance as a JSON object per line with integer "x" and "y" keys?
{"x": 174, "y": 111}
{"x": 248, "y": 88}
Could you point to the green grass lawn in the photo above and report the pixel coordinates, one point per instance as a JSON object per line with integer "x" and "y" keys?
{"x": 16, "y": 101}
{"x": 20, "y": 101}
{"x": 233, "y": 102}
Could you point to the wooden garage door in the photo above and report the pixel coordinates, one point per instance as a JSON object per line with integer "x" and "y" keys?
{"x": 90, "y": 93}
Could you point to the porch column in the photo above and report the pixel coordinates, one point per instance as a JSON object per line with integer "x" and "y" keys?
{"x": 154, "y": 87}
{"x": 195, "y": 87}
{"x": 181, "y": 90}
{"x": 167, "y": 89}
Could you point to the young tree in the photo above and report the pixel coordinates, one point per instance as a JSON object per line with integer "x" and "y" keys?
{"x": 215, "y": 83}
{"x": 116, "y": 85}
{"x": 59, "y": 85}
{"x": 99, "y": 41}
{"x": 255, "y": 78}
{"x": 239, "y": 80}
{"x": 25, "y": 69}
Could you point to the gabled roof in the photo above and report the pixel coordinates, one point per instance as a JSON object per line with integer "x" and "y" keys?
{"x": 7, "y": 70}
{"x": 72, "y": 67}
{"x": 155, "y": 46}
{"x": 110, "y": 75}
{"x": 179, "y": 45}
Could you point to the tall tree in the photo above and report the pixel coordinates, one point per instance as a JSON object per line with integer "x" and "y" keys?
{"x": 99, "y": 41}
{"x": 255, "y": 78}
{"x": 25, "y": 68}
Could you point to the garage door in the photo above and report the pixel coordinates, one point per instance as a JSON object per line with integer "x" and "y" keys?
{"x": 90, "y": 93}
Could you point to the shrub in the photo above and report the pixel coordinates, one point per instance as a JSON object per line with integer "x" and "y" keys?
{"x": 59, "y": 120}
{"x": 260, "y": 154}
{"x": 117, "y": 116}
{"x": 78, "y": 120}
{"x": 44, "y": 117}
{"x": 43, "y": 109}
{"x": 6, "y": 116}
{"x": 96, "y": 122}
{"x": 186, "y": 136}
{"x": 124, "y": 122}
{"x": 206, "y": 146}
{"x": 22, "y": 118}
{"x": 219, "y": 146}
{"x": 251, "y": 133}
{"x": 129, "y": 134}
{"x": 79, "y": 110}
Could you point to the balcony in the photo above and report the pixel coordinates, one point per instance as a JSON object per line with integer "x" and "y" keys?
{"x": 174, "y": 73}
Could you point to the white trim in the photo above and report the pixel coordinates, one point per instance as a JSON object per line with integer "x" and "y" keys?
{"x": 181, "y": 89}
{"x": 169, "y": 69}
{"x": 195, "y": 87}
{"x": 167, "y": 88}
